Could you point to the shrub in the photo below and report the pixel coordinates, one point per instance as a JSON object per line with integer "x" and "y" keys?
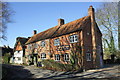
{"x": 53, "y": 65}
{"x": 6, "y": 58}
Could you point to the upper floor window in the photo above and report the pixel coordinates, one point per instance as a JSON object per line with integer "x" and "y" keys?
{"x": 57, "y": 57}
{"x": 66, "y": 57}
{"x": 29, "y": 46}
{"x": 88, "y": 56}
{"x": 35, "y": 45}
{"x": 43, "y": 56}
{"x": 43, "y": 43}
{"x": 73, "y": 38}
{"x": 57, "y": 42}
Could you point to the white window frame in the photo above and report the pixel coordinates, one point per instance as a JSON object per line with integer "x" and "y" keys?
{"x": 19, "y": 58}
{"x": 73, "y": 38}
{"x": 57, "y": 42}
{"x": 88, "y": 57}
{"x": 42, "y": 43}
{"x": 57, "y": 57}
{"x": 35, "y": 45}
{"x": 29, "y": 46}
{"x": 43, "y": 55}
{"x": 66, "y": 57}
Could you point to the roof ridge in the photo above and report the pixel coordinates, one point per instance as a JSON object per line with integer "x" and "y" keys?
{"x": 56, "y": 30}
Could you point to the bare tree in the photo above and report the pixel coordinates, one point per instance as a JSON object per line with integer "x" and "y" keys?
{"x": 5, "y": 17}
{"x": 119, "y": 25}
{"x": 107, "y": 19}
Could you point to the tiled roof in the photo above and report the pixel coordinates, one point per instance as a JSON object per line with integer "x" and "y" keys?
{"x": 56, "y": 31}
{"x": 22, "y": 41}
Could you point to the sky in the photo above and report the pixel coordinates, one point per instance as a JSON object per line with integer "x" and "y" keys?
{"x": 40, "y": 16}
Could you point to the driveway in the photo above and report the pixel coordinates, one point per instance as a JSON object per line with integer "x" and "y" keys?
{"x": 16, "y": 72}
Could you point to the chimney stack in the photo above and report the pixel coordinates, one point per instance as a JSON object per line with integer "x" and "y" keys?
{"x": 91, "y": 12}
{"x": 60, "y": 22}
{"x": 34, "y": 32}
{"x": 29, "y": 37}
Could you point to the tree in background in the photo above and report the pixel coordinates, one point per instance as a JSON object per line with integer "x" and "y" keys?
{"x": 119, "y": 25}
{"x": 5, "y": 17}
{"x": 107, "y": 19}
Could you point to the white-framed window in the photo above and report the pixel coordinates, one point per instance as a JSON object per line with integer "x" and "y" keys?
{"x": 73, "y": 38}
{"x": 19, "y": 58}
{"x": 88, "y": 56}
{"x": 18, "y": 51}
{"x": 57, "y": 57}
{"x": 43, "y": 56}
{"x": 66, "y": 57}
{"x": 43, "y": 43}
{"x": 29, "y": 46}
{"x": 35, "y": 45}
{"x": 56, "y": 42}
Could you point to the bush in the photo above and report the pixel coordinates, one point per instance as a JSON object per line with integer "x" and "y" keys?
{"x": 6, "y": 58}
{"x": 53, "y": 65}
{"x": 117, "y": 54}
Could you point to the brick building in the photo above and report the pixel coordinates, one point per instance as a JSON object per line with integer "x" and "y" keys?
{"x": 81, "y": 36}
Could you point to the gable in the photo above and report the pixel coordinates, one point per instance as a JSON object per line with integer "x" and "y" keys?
{"x": 18, "y": 47}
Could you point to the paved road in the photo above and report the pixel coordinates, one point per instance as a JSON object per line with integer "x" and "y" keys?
{"x": 16, "y": 72}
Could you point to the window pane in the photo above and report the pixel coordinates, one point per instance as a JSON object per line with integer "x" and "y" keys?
{"x": 43, "y": 43}
{"x": 57, "y": 57}
{"x": 66, "y": 57}
{"x": 88, "y": 56}
{"x": 43, "y": 56}
{"x": 73, "y": 38}
{"x": 56, "y": 42}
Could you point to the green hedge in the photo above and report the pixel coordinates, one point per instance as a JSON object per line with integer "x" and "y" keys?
{"x": 6, "y": 58}
{"x": 53, "y": 65}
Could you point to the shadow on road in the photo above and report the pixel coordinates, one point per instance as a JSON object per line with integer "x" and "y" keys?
{"x": 82, "y": 77}
{"x": 15, "y": 72}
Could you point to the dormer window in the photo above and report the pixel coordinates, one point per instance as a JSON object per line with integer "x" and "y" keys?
{"x": 43, "y": 43}
{"x": 73, "y": 38}
{"x": 56, "y": 42}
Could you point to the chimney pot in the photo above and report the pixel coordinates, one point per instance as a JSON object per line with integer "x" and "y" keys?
{"x": 34, "y": 32}
{"x": 29, "y": 37}
{"x": 60, "y": 22}
{"x": 91, "y": 10}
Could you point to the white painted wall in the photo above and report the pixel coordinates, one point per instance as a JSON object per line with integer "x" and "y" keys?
{"x": 18, "y": 57}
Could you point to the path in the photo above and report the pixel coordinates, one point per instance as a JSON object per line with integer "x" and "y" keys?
{"x": 33, "y": 73}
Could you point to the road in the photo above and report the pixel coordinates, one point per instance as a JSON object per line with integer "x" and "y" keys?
{"x": 17, "y": 72}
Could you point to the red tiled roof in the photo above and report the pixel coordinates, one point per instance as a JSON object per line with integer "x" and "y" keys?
{"x": 56, "y": 31}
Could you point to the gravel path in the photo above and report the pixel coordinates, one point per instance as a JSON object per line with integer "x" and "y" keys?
{"x": 16, "y": 72}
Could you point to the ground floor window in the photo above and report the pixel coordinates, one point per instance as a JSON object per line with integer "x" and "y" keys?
{"x": 57, "y": 57}
{"x": 19, "y": 58}
{"x": 66, "y": 57}
{"x": 43, "y": 56}
{"x": 88, "y": 56}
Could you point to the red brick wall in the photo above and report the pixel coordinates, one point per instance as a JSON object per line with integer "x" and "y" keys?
{"x": 87, "y": 46}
